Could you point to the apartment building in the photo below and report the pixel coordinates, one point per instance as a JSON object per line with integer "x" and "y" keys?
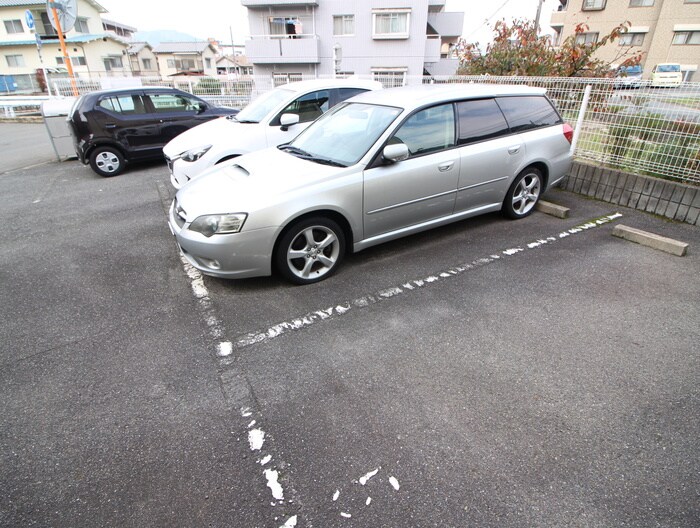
{"x": 386, "y": 39}
{"x": 663, "y": 30}
{"x": 91, "y": 49}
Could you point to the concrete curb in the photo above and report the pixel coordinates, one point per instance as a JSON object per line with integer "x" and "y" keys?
{"x": 674, "y": 200}
{"x": 667, "y": 245}
{"x": 552, "y": 209}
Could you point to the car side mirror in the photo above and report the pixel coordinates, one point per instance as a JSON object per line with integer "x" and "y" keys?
{"x": 201, "y": 107}
{"x": 395, "y": 153}
{"x": 288, "y": 120}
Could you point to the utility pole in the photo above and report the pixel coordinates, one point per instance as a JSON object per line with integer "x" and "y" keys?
{"x": 537, "y": 17}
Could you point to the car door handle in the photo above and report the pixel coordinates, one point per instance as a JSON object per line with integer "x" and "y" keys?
{"x": 514, "y": 149}
{"x": 110, "y": 125}
{"x": 444, "y": 167}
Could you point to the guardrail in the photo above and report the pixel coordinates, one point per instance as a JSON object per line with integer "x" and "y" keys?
{"x": 18, "y": 106}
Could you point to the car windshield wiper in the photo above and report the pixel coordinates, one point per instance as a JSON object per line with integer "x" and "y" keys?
{"x": 294, "y": 150}
{"x": 235, "y": 118}
{"x": 310, "y": 157}
{"x": 325, "y": 161}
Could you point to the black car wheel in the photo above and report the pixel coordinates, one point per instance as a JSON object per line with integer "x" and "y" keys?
{"x": 310, "y": 250}
{"x": 107, "y": 161}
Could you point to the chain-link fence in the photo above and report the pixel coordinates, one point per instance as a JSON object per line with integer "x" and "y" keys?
{"x": 628, "y": 126}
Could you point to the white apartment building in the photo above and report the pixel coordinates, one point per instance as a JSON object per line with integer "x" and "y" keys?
{"x": 382, "y": 38}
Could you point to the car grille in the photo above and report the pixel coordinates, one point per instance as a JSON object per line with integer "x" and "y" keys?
{"x": 180, "y": 215}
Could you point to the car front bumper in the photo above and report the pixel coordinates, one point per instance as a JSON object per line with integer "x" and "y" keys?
{"x": 234, "y": 256}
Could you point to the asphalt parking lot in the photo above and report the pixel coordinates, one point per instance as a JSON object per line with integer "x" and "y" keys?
{"x": 488, "y": 373}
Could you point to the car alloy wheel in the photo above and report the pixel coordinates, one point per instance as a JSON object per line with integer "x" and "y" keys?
{"x": 310, "y": 250}
{"x": 523, "y": 194}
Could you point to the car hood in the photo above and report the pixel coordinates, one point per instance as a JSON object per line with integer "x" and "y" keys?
{"x": 215, "y": 131}
{"x": 251, "y": 182}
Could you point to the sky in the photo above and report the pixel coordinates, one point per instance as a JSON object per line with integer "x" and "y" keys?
{"x": 222, "y": 18}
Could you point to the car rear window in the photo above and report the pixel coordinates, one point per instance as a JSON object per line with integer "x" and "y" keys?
{"x": 347, "y": 93}
{"x": 528, "y": 112}
{"x": 480, "y": 119}
{"x": 123, "y": 104}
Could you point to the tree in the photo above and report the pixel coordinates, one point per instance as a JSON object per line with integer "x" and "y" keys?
{"x": 518, "y": 50}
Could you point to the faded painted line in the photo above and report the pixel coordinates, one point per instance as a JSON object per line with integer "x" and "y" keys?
{"x": 236, "y": 389}
{"x": 275, "y": 331}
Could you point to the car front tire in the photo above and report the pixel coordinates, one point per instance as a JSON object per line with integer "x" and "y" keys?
{"x": 107, "y": 161}
{"x": 310, "y": 250}
{"x": 524, "y": 193}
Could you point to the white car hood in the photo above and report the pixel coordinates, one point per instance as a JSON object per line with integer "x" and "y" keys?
{"x": 250, "y": 182}
{"x": 241, "y": 135}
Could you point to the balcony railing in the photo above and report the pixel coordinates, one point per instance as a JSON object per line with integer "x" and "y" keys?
{"x": 274, "y": 3}
{"x": 275, "y": 49}
{"x": 447, "y": 24}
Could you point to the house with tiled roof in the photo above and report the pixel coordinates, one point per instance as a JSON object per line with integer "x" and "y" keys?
{"x": 186, "y": 58}
{"x": 92, "y": 50}
{"x": 142, "y": 59}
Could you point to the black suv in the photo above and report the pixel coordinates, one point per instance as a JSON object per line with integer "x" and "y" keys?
{"x": 113, "y": 127}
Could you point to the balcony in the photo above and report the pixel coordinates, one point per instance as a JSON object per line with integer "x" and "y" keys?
{"x": 282, "y": 50}
{"x": 558, "y": 18}
{"x": 443, "y": 67}
{"x": 432, "y": 49}
{"x": 278, "y": 3}
{"x": 447, "y": 24}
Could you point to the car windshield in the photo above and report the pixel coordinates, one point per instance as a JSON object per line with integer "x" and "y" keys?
{"x": 345, "y": 134}
{"x": 263, "y": 105}
{"x": 631, "y": 70}
{"x": 668, "y": 68}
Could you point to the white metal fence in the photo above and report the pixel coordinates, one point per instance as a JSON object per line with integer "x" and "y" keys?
{"x": 635, "y": 128}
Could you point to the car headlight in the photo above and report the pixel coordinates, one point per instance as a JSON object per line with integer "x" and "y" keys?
{"x": 195, "y": 153}
{"x": 218, "y": 224}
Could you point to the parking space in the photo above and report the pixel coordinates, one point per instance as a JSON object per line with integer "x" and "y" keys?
{"x": 489, "y": 373}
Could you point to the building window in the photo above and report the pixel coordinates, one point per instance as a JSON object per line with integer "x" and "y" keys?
{"x": 343, "y": 25}
{"x": 185, "y": 64}
{"x": 686, "y": 37}
{"x": 278, "y": 79}
{"x": 641, "y": 3}
{"x": 75, "y": 61}
{"x": 593, "y": 5}
{"x": 207, "y": 62}
{"x": 146, "y": 64}
{"x": 14, "y": 26}
{"x": 171, "y": 63}
{"x": 81, "y": 25}
{"x": 692, "y": 1}
{"x": 112, "y": 63}
{"x": 632, "y": 39}
{"x": 389, "y": 78}
{"x": 586, "y": 39}
{"x": 392, "y": 24}
{"x": 15, "y": 61}
{"x": 285, "y": 26}
{"x": 48, "y": 28}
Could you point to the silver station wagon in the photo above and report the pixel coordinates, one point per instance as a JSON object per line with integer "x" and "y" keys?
{"x": 380, "y": 166}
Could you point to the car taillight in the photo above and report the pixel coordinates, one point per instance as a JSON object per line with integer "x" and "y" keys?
{"x": 568, "y": 132}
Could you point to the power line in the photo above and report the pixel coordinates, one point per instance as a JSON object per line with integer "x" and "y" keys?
{"x": 487, "y": 20}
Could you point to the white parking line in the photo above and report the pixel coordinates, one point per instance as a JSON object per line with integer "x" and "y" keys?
{"x": 273, "y": 332}
{"x": 225, "y": 348}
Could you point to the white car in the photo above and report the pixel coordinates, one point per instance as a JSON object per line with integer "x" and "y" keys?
{"x": 274, "y": 118}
